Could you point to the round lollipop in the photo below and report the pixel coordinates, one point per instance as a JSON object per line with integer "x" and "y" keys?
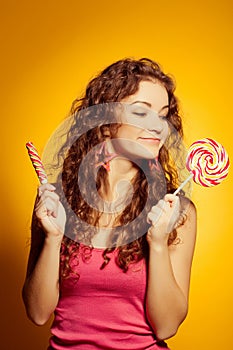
{"x": 208, "y": 162}
{"x": 37, "y": 163}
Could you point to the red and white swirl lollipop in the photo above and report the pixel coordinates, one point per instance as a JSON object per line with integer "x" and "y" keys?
{"x": 37, "y": 163}
{"x": 208, "y": 162}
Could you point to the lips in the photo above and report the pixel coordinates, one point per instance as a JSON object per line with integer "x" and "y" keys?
{"x": 149, "y": 139}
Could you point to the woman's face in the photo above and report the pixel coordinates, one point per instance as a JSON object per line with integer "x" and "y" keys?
{"x": 144, "y": 126}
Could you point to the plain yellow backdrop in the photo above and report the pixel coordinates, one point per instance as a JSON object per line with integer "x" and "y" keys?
{"x": 49, "y": 51}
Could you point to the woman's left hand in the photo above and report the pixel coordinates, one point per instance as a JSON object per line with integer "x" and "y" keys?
{"x": 163, "y": 217}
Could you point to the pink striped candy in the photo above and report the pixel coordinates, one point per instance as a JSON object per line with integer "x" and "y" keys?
{"x": 208, "y": 161}
{"x": 37, "y": 163}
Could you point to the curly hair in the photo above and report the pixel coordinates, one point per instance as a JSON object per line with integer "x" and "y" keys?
{"x": 113, "y": 84}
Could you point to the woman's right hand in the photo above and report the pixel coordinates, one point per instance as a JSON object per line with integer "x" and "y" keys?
{"x": 50, "y": 212}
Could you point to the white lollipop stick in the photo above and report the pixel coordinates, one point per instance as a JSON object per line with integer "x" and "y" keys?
{"x": 183, "y": 184}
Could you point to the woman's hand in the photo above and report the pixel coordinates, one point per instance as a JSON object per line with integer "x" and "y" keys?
{"x": 50, "y": 212}
{"x": 163, "y": 217}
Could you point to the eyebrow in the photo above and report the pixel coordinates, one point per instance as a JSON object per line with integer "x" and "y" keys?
{"x": 149, "y": 105}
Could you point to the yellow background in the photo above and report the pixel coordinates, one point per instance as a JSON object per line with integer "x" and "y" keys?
{"x": 49, "y": 51}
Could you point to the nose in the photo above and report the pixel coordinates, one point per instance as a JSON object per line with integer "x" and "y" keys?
{"x": 154, "y": 123}
{"x": 144, "y": 118}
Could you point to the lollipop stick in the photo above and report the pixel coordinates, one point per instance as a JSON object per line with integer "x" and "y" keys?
{"x": 183, "y": 184}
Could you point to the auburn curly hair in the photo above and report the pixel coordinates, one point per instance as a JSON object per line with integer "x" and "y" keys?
{"x": 113, "y": 84}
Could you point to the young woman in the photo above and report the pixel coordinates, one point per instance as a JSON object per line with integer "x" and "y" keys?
{"x": 115, "y": 278}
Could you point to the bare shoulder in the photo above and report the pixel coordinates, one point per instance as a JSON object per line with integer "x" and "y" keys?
{"x": 187, "y": 206}
{"x": 189, "y": 226}
{"x": 187, "y": 230}
{"x": 183, "y": 247}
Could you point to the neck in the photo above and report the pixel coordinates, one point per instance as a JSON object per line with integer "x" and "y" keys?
{"x": 120, "y": 169}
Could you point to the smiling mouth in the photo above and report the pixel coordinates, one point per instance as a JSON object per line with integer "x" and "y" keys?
{"x": 149, "y": 139}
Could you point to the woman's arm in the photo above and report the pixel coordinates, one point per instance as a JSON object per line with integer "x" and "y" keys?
{"x": 169, "y": 273}
{"x": 41, "y": 287}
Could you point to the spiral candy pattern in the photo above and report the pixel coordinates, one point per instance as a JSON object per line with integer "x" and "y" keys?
{"x": 208, "y": 161}
{"x": 37, "y": 163}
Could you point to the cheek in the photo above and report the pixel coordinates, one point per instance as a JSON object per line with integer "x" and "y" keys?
{"x": 165, "y": 131}
{"x": 127, "y": 132}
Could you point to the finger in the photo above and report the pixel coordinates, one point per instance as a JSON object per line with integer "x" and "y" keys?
{"x": 161, "y": 205}
{"x": 47, "y": 194}
{"x": 176, "y": 203}
{"x": 44, "y": 187}
{"x": 40, "y": 210}
{"x": 39, "y": 192}
{"x": 50, "y": 201}
{"x": 150, "y": 218}
{"x": 153, "y": 216}
{"x": 172, "y": 200}
{"x": 52, "y": 207}
{"x": 169, "y": 197}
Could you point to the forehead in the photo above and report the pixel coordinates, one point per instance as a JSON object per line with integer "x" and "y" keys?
{"x": 153, "y": 93}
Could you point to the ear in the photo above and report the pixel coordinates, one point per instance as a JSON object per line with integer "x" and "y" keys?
{"x": 105, "y": 131}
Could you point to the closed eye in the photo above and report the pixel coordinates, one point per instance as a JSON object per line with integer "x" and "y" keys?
{"x": 139, "y": 111}
{"x": 140, "y": 114}
{"x": 164, "y": 117}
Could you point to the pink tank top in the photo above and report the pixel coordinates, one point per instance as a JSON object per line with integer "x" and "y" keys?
{"x": 104, "y": 309}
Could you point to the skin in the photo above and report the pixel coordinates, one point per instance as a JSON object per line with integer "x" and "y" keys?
{"x": 166, "y": 301}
